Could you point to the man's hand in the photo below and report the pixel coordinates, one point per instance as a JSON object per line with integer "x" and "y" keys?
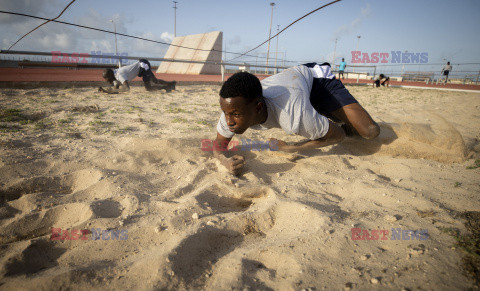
{"x": 279, "y": 145}
{"x": 234, "y": 164}
{"x": 100, "y": 89}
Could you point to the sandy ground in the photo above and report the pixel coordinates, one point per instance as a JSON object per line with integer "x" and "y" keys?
{"x": 131, "y": 167}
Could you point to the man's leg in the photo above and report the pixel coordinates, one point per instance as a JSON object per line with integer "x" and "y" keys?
{"x": 357, "y": 120}
{"x": 169, "y": 86}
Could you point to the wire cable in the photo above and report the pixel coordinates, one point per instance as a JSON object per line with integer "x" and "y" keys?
{"x": 42, "y": 24}
{"x": 313, "y": 11}
{"x": 126, "y": 35}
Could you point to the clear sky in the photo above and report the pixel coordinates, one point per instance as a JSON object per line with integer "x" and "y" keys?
{"x": 445, "y": 29}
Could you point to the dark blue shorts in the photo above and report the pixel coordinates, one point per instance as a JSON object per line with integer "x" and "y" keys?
{"x": 146, "y": 74}
{"x": 328, "y": 95}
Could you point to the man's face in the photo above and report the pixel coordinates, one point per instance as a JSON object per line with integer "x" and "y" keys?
{"x": 108, "y": 77}
{"x": 239, "y": 113}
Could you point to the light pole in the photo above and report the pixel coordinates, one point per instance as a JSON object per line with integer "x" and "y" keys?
{"x": 358, "y": 40}
{"x": 334, "y": 53}
{"x": 269, "y": 35}
{"x": 276, "y": 51}
{"x": 175, "y": 19}
{"x": 116, "y": 50}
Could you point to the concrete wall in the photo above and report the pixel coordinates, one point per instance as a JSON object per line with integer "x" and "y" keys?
{"x": 205, "y": 42}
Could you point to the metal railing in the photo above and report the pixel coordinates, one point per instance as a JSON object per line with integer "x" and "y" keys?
{"x": 91, "y": 65}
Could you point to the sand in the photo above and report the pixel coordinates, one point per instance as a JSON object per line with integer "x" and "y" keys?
{"x": 75, "y": 160}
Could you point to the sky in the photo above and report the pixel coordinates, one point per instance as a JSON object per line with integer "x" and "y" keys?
{"x": 446, "y": 30}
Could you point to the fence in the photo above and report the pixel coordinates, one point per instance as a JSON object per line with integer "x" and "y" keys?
{"x": 462, "y": 73}
{"x": 23, "y": 59}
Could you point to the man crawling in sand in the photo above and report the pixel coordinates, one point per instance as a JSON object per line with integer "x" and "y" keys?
{"x": 306, "y": 100}
{"x": 119, "y": 78}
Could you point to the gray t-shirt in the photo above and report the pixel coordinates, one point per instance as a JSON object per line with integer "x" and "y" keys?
{"x": 287, "y": 96}
{"x": 127, "y": 73}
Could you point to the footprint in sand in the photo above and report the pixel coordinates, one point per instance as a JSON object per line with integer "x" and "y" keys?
{"x": 46, "y": 186}
{"x": 196, "y": 254}
{"x": 38, "y": 256}
{"x": 40, "y": 223}
{"x": 27, "y": 208}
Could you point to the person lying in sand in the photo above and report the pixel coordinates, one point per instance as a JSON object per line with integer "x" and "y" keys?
{"x": 306, "y": 100}
{"x": 119, "y": 78}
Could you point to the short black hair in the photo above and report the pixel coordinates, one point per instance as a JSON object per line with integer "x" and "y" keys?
{"x": 242, "y": 84}
{"x": 382, "y": 76}
{"x": 108, "y": 73}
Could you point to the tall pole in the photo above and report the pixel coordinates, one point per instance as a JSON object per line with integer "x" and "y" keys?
{"x": 334, "y": 53}
{"x": 358, "y": 40}
{"x": 269, "y": 35}
{"x": 116, "y": 50}
{"x": 175, "y": 19}
{"x": 276, "y": 51}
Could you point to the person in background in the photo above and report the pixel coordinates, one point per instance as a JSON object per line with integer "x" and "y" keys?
{"x": 119, "y": 78}
{"x": 381, "y": 80}
{"x": 446, "y": 70}
{"x": 341, "y": 68}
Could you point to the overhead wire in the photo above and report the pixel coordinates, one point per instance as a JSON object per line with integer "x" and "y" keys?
{"x": 313, "y": 11}
{"x": 160, "y": 42}
{"x": 53, "y": 19}
{"x": 123, "y": 34}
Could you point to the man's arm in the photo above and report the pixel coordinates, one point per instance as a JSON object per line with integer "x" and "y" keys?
{"x": 116, "y": 89}
{"x": 233, "y": 163}
{"x": 334, "y": 135}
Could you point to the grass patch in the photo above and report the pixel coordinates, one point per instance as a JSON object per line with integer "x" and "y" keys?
{"x": 457, "y": 184}
{"x": 203, "y": 122}
{"x": 123, "y": 130}
{"x": 101, "y": 123}
{"x": 179, "y": 120}
{"x": 65, "y": 120}
{"x": 133, "y": 108}
{"x": 9, "y": 128}
{"x": 469, "y": 244}
{"x": 16, "y": 115}
{"x": 475, "y": 165}
{"x": 86, "y": 109}
{"x": 43, "y": 124}
{"x": 177, "y": 110}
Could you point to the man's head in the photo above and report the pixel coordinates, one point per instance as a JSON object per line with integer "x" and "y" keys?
{"x": 343, "y": 60}
{"x": 108, "y": 75}
{"x": 382, "y": 76}
{"x": 448, "y": 63}
{"x": 241, "y": 100}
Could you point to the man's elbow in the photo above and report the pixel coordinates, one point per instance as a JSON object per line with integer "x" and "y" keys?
{"x": 339, "y": 136}
{"x": 335, "y": 134}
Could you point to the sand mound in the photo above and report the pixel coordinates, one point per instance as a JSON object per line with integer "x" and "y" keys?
{"x": 432, "y": 138}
